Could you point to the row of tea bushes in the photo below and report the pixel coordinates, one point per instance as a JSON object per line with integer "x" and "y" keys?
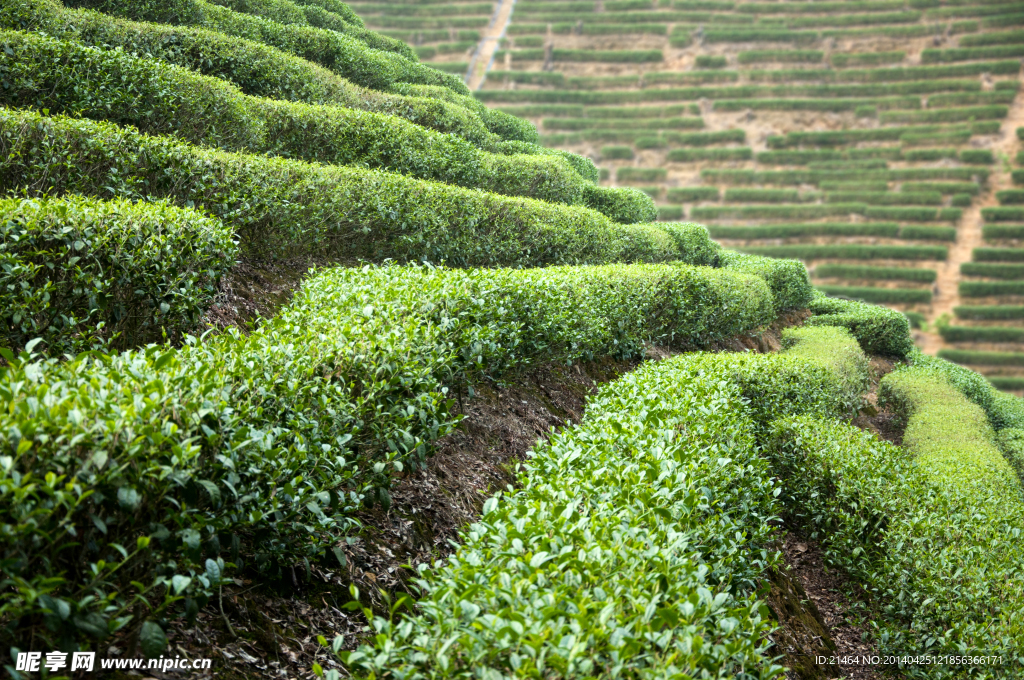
{"x": 278, "y": 206}
{"x": 576, "y": 570}
{"x": 258, "y": 449}
{"x": 158, "y": 98}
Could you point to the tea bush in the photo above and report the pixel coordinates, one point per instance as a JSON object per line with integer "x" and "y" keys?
{"x": 1002, "y": 231}
{"x": 257, "y": 449}
{"x": 851, "y": 252}
{"x": 962, "y": 356}
{"x": 981, "y": 313}
{"x": 846, "y": 271}
{"x": 1003, "y": 214}
{"x": 879, "y": 330}
{"x": 981, "y": 334}
{"x": 995, "y": 271}
{"x": 634, "y": 425}
{"x": 1010, "y": 196}
{"x": 885, "y": 198}
{"x": 989, "y": 288}
{"x": 879, "y": 295}
{"x": 691, "y": 155}
{"x": 787, "y": 279}
{"x": 886, "y": 229}
{"x": 761, "y": 56}
{"x": 278, "y": 206}
{"x": 692, "y": 194}
{"x": 77, "y": 271}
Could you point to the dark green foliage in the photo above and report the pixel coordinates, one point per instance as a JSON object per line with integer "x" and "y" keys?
{"x": 885, "y": 229}
{"x": 1010, "y": 196}
{"x": 278, "y": 206}
{"x": 791, "y": 288}
{"x": 997, "y": 96}
{"x": 888, "y": 74}
{"x": 738, "y": 35}
{"x": 879, "y": 330}
{"x": 978, "y": 156}
{"x": 971, "y": 188}
{"x": 962, "y": 356}
{"x": 846, "y": 271}
{"x": 709, "y": 61}
{"x": 692, "y": 194}
{"x": 1003, "y": 231}
{"x": 640, "y": 174}
{"x": 961, "y": 200}
{"x": 966, "y": 113}
{"x": 627, "y": 124}
{"x": 1012, "y": 214}
{"x": 816, "y": 176}
{"x": 616, "y": 153}
{"x": 990, "y": 288}
{"x": 762, "y": 56}
{"x": 983, "y": 313}
{"x": 879, "y": 295}
{"x": 670, "y": 213}
{"x": 851, "y": 252}
{"x": 922, "y": 233}
{"x": 931, "y": 56}
{"x": 994, "y": 271}
{"x": 1004, "y": 38}
{"x": 854, "y": 186}
{"x": 844, "y": 59}
{"x": 1017, "y": 457}
{"x": 78, "y": 270}
{"x": 777, "y": 211}
{"x": 916, "y": 319}
{"x": 885, "y": 198}
{"x": 912, "y": 214}
{"x": 727, "y": 154}
{"x": 761, "y": 196}
{"x": 981, "y": 334}
{"x": 605, "y": 56}
{"x": 998, "y": 255}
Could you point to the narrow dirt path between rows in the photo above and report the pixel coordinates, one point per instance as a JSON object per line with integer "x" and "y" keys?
{"x": 969, "y": 235}
{"x": 493, "y": 34}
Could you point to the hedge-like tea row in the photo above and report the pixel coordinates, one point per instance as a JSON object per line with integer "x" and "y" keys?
{"x": 962, "y": 356}
{"x": 851, "y": 252}
{"x": 846, "y": 271}
{"x": 162, "y": 99}
{"x": 817, "y": 104}
{"x": 505, "y": 590}
{"x": 944, "y": 188}
{"x": 791, "y": 287}
{"x": 760, "y": 56}
{"x": 76, "y": 271}
{"x": 691, "y": 155}
{"x": 844, "y": 59}
{"x": 998, "y": 254}
{"x": 278, "y": 206}
{"x": 967, "y": 53}
{"x": 982, "y": 312}
{"x": 259, "y": 448}
{"x": 1002, "y": 38}
{"x": 886, "y": 229}
{"x": 628, "y": 124}
{"x": 995, "y": 271}
{"x": 692, "y": 194}
{"x": 1002, "y": 231}
{"x": 879, "y": 295}
{"x": 879, "y": 330}
{"x": 902, "y": 73}
{"x": 988, "y": 288}
{"x": 877, "y": 198}
{"x": 779, "y": 211}
{"x": 1003, "y": 214}
{"x": 981, "y": 334}
{"x": 885, "y": 516}
{"x": 966, "y": 113}
{"x": 815, "y": 176}
{"x": 1010, "y": 196}
{"x": 761, "y": 196}
{"x": 257, "y": 69}
{"x": 341, "y": 53}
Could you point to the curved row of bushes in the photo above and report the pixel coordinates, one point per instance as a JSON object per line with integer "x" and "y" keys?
{"x": 158, "y": 98}
{"x": 262, "y": 70}
{"x": 278, "y": 206}
{"x": 257, "y": 449}
{"x": 634, "y": 537}
{"x": 916, "y": 525}
{"x": 344, "y": 54}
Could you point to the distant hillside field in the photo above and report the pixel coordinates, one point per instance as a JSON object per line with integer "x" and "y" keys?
{"x": 875, "y": 140}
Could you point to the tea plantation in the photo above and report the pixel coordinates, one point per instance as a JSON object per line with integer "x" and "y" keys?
{"x": 159, "y": 470}
{"x": 868, "y": 139}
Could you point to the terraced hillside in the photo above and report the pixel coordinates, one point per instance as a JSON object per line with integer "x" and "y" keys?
{"x": 312, "y": 365}
{"x": 869, "y": 139}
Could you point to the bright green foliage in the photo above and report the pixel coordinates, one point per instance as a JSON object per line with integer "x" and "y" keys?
{"x": 623, "y": 205}
{"x": 845, "y": 271}
{"x": 879, "y": 330}
{"x": 879, "y": 295}
{"x": 569, "y": 518}
{"x": 886, "y": 518}
{"x": 353, "y": 378}
{"x": 75, "y": 271}
{"x": 162, "y": 99}
{"x": 279, "y": 206}
{"x": 788, "y": 280}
